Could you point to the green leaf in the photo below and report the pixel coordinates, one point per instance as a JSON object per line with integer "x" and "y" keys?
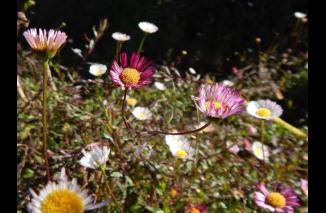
{"x": 28, "y": 173}
{"x": 116, "y": 174}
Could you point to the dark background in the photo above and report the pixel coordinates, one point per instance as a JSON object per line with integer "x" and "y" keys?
{"x": 210, "y": 31}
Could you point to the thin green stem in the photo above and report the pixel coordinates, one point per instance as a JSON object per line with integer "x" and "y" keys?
{"x": 123, "y": 109}
{"x": 142, "y": 43}
{"x": 109, "y": 191}
{"x": 118, "y": 49}
{"x": 44, "y": 118}
{"x": 262, "y": 136}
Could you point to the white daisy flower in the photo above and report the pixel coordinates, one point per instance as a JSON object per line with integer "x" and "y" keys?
{"x": 264, "y": 109}
{"x": 179, "y": 146}
{"x": 97, "y": 69}
{"x": 159, "y": 86}
{"x": 228, "y": 83}
{"x": 120, "y": 36}
{"x": 300, "y": 15}
{"x": 63, "y": 196}
{"x": 260, "y": 150}
{"x": 96, "y": 157}
{"x": 142, "y": 113}
{"x": 147, "y": 27}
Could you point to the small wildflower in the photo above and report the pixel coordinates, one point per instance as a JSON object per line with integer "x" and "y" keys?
{"x": 134, "y": 75}
{"x": 131, "y": 101}
{"x": 173, "y": 192}
{"x": 142, "y": 113}
{"x": 96, "y": 157}
{"x": 233, "y": 148}
{"x": 179, "y": 146}
{"x": 264, "y": 109}
{"x": 300, "y": 15}
{"x": 97, "y": 69}
{"x": 47, "y": 42}
{"x": 252, "y": 130}
{"x": 219, "y": 101}
{"x": 247, "y": 145}
{"x": 63, "y": 196}
{"x": 120, "y": 36}
{"x": 192, "y": 71}
{"x": 228, "y": 83}
{"x": 159, "y": 86}
{"x": 147, "y": 27}
{"x": 260, "y": 150}
{"x": 278, "y": 200}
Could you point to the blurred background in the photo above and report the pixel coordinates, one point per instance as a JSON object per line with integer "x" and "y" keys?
{"x": 214, "y": 36}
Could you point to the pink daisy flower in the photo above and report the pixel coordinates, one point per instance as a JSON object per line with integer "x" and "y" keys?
{"x": 45, "y": 41}
{"x": 132, "y": 75}
{"x": 280, "y": 200}
{"x": 219, "y": 101}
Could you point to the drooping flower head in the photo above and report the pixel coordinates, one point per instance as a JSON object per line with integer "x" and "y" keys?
{"x": 281, "y": 199}
{"x": 95, "y": 157}
{"x": 120, "y": 36}
{"x": 47, "y": 42}
{"x": 264, "y": 109}
{"x": 179, "y": 146}
{"x": 62, "y": 196}
{"x": 132, "y": 75}
{"x": 219, "y": 101}
{"x": 97, "y": 69}
{"x": 198, "y": 208}
{"x": 147, "y": 27}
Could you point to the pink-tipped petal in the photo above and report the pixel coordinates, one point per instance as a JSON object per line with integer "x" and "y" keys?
{"x": 123, "y": 60}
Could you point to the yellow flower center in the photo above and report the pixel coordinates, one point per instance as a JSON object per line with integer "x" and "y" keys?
{"x": 215, "y": 103}
{"x": 173, "y": 192}
{"x": 141, "y": 115}
{"x": 181, "y": 153}
{"x": 263, "y": 112}
{"x": 276, "y": 200}
{"x": 131, "y": 101}
{"x": 62, "y": 201}
{"x": 130, "y": 76}
{"x": 194, "y": 210}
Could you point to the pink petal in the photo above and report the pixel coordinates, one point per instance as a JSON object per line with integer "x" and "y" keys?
{"x": 147, "y": 74}
{"x": 134, "y": 60}
{"x": 124, "y": 60}
{"x": 263, "y": 189}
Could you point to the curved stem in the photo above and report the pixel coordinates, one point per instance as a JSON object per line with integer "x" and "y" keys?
{"x": 44, "y": 118}
{"x": 141, "y": 43}
{"x": 181, "y": 133}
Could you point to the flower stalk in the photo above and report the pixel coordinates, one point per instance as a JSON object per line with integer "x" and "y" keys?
{"x": 142, "y": 43}
{"x": 44, "y": 117}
